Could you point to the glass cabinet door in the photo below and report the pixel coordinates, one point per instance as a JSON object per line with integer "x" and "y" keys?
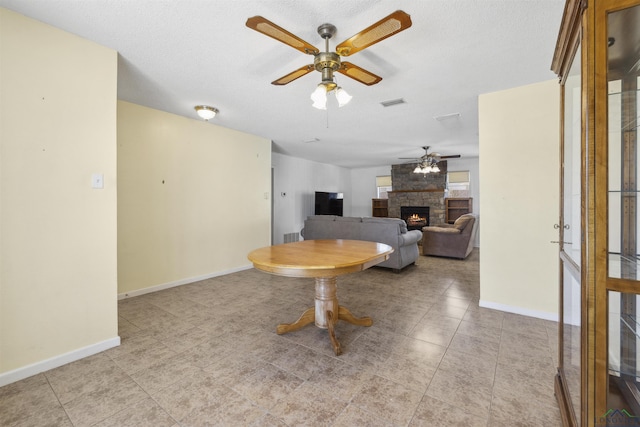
{"x": 623, "y": 71}
{"x": 570, "y": 366}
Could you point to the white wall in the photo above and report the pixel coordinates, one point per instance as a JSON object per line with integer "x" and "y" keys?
{"x": 295, "y": 182}
{"x": 519, "y": 183}
{"x": 363, "y": 185}
{"x": 58, "y": 271}
{"x": 471, "y": 164}
{"x": 193, "y": 201}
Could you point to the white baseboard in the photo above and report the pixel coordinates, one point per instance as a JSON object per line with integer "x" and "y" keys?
{"x": 519, "y": 310}
{"x": 180, "y": 282}
{"x": 57, "y": 361}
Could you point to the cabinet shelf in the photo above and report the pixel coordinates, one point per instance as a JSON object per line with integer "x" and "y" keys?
{"x": 380, "y": 208}
{"x": 456, "y": 207}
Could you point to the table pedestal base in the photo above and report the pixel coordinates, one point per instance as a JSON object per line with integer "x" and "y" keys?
{"x": 324, "y": 313}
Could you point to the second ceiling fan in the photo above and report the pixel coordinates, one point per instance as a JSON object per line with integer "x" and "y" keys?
{"x": 428, "y": 162}
{"x": 329, "y": 62}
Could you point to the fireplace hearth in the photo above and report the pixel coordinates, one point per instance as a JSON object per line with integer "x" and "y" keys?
{"x": 416, "y": 217}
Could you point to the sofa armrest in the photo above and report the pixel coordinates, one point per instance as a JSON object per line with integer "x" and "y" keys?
{"x": 410, "y": 237}
{"x": 441, "y": 230}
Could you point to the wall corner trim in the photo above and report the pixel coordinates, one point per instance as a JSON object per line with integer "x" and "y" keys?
{"x": 180, "y": 282}
{"x": 519, "y": 310}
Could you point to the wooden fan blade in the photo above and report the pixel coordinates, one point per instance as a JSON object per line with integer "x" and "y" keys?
{"x": 453, "y": 156}
{"x": 386, "y": 27}
{"x": 359, "y": 74}
{"x": 293, "y": 75}
{"x": 266, "y": 27}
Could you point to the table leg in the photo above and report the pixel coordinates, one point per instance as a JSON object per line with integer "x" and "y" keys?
{"x": 331, "y": 322}
{"x": 326, "y": 313}
{"x": 345, "y": 314}
{"x": 307, "y": 317}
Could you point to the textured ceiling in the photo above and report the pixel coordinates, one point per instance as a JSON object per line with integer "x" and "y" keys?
{"x": 175, "y": 54}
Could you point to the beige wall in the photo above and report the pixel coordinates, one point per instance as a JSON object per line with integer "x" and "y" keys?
{"x": 193, "y": 198}
{"x": 58, "y": 272}
{"x": 519, "y": 183}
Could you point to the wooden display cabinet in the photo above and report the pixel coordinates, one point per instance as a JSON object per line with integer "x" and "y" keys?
{"x": 598, "y": 63}
{"x": 380, "y": 207}
{"x": 455, "y": 207}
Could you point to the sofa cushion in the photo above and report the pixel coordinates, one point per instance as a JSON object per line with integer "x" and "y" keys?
{"x": 348, "y": 219}
{"x": 462, "y": 221}
{"x": 398, "y": 221}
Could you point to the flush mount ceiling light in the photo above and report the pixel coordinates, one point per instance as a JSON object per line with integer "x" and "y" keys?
{"x": 206, "y": 112}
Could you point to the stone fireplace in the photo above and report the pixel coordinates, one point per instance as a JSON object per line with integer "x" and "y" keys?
{"x": 418, "y": 190}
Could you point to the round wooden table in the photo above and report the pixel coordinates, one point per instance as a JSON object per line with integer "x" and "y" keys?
{"x": 323, "y": 260}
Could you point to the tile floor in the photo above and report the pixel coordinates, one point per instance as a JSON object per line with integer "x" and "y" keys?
{"x": 207, "y": 354}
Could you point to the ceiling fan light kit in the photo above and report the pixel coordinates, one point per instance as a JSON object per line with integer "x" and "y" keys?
{"x": 428, "y": 163}
{"x": 319, "y": 96}
{"x": 428, "y": 166}
{"x": 327, "y": 63}
{"x": 206, "y": 112}
{"x": 342, "y": 96}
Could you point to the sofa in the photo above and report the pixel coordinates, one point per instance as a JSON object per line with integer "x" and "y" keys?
{"x": 391, "y": 231}
{"x": 450, "y": 240}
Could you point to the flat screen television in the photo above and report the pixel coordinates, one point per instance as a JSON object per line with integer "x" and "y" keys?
{"x": 328, "y": 203}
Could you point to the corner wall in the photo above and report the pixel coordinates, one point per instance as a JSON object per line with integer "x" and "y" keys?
{"x": 363, "y": 185}
{"x": 519, "y": 183}
{"x": 299, "y": 179}
{"x": 194, "y": 199}
{"x": 58, "y": 271}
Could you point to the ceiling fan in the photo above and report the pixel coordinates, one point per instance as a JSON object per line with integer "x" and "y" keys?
{"x": 329, "y": 62}
{"x": 428, "y": 162}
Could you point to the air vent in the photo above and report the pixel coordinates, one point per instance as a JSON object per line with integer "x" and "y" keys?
{"x": 447, "y": 116}
{"x": 393, "y": 102}
{"x": 291, "y": 237}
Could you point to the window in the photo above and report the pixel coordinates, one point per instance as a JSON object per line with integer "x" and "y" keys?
{"x": 458, "y": 184}
{"x": 383, "y": 183}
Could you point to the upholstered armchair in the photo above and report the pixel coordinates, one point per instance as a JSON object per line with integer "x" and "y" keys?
{"x": 450, "y": 240}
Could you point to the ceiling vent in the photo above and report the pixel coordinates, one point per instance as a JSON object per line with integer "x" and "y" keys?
{"x": 447, "y": 117}
{"x": 393, "y": 102}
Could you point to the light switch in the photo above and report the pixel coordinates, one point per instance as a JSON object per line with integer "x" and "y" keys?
{"x": 97, "y": 180}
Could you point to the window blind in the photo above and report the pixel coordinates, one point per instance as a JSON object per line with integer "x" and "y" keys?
{"x": 458, "y": 177}
{"x": 383, "y": 181}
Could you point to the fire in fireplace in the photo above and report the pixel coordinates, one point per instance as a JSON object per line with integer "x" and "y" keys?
{"x": 416, "y": 217}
